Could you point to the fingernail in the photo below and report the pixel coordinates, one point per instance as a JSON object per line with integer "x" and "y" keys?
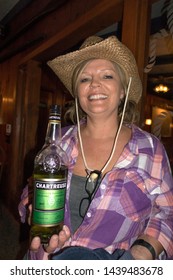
{"x": 64, "y": 227}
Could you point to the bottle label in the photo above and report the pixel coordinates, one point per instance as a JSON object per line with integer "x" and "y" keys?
{"x": 49, "y": 202}
{"x": 55, "y": 118}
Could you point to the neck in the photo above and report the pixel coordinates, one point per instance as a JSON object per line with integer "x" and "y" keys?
{"x": 105, "y": 120}
{"x": 101, "y": 129}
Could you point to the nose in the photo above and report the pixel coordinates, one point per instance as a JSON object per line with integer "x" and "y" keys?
{"x": 95, "y": 82}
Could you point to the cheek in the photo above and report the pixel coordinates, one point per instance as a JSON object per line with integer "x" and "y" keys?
{"x": 81, "y": 94}
{"x": 117, "y": 91}
{"x": 82, "y": 90}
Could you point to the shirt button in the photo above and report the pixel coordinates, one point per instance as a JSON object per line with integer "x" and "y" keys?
{"x": 88, "y": 214}
{"x": 103, "y": 187}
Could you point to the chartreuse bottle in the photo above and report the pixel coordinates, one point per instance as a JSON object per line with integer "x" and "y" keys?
{"x": 50, "y": 179}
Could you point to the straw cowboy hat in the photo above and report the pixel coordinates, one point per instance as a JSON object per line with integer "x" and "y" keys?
{"x": 95, "y": 47}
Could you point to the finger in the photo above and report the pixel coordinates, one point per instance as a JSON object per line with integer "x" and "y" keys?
{"x": 67, "y": 231}
{"x": 30, "y": 207}
{"x": 35, "y": 244}
{"x": 57, "y": 241}
{"x": 53, "y": 244}
{"x": 25, "y": 201}
{"x": 64, "y": 235}
{"x": 29, "y": 213}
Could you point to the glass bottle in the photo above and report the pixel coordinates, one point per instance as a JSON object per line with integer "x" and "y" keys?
{"x": 50, "y": 179}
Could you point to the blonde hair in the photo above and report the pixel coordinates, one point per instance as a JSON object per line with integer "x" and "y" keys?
{"x": 131, "y": 114}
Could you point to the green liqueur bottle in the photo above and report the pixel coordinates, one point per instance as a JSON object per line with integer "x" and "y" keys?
{"x": 50, "y": 180}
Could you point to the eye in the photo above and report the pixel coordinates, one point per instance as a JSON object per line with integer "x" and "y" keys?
{"x": 108, "y": 77}
{"x": 84, "y": 79}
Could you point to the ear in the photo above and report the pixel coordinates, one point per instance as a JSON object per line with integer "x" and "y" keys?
{"x": 122, "y": 94}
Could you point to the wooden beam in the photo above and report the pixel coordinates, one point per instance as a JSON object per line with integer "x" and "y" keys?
{"x": 25, "y": 123}
{"x": 97, "y": 18}
{"x": 135, "y": 34}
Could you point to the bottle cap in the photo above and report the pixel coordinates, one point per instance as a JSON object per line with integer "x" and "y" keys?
{"x": 55, "y": 109}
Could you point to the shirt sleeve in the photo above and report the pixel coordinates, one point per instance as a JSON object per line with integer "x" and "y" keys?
{"x": 23, "y": 203}
{"x": 39, "y": 255}
{"x": 160, "y": 225}
{"x": 26, "y": 199}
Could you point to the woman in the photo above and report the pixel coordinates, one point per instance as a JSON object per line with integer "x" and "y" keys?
{"x": 120, "y": 188}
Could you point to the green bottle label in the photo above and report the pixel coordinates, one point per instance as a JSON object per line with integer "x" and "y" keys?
{"x": 49, "y": 202}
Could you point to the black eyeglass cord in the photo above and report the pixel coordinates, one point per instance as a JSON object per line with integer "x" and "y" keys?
{"x": 94, "y": 177}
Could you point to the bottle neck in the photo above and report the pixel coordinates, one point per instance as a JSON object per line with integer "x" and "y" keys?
{"x": 53, "y": 134}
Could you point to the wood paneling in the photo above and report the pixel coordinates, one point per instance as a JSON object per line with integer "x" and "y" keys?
{"x": 135, "y": 34}
{"x": 27, "y": 110}
{"x": 86, "y": 22}
{"x": 8, "y": 80}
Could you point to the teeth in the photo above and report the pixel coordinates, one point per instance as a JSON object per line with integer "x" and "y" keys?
{"x": 97, "y": 96}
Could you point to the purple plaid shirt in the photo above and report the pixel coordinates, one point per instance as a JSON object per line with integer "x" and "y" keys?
{"x": 134, "y": 198}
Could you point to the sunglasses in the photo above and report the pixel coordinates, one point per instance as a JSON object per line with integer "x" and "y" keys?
{"x": 91, "y": 186}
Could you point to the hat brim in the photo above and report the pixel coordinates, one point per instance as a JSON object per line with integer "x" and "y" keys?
{"x": 111, "y": 49}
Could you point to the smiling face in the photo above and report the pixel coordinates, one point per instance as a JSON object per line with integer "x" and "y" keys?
{"x": 99, "y": 87}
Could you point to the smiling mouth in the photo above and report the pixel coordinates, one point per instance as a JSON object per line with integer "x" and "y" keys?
{"x": 97, "y": 97}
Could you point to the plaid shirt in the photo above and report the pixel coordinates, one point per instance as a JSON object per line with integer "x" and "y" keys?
{"x": 134, "y": 198}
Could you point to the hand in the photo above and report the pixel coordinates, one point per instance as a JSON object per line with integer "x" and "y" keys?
{"x": 29, "y": 214}
{"x": 56, "y": 241}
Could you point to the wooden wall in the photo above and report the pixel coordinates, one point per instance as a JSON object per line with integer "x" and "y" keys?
{"x": 8, "y": 81}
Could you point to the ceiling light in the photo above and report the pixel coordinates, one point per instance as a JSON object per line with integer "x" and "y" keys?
{"x": 161, "y": 88}
{"x": 148, "y": 121}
